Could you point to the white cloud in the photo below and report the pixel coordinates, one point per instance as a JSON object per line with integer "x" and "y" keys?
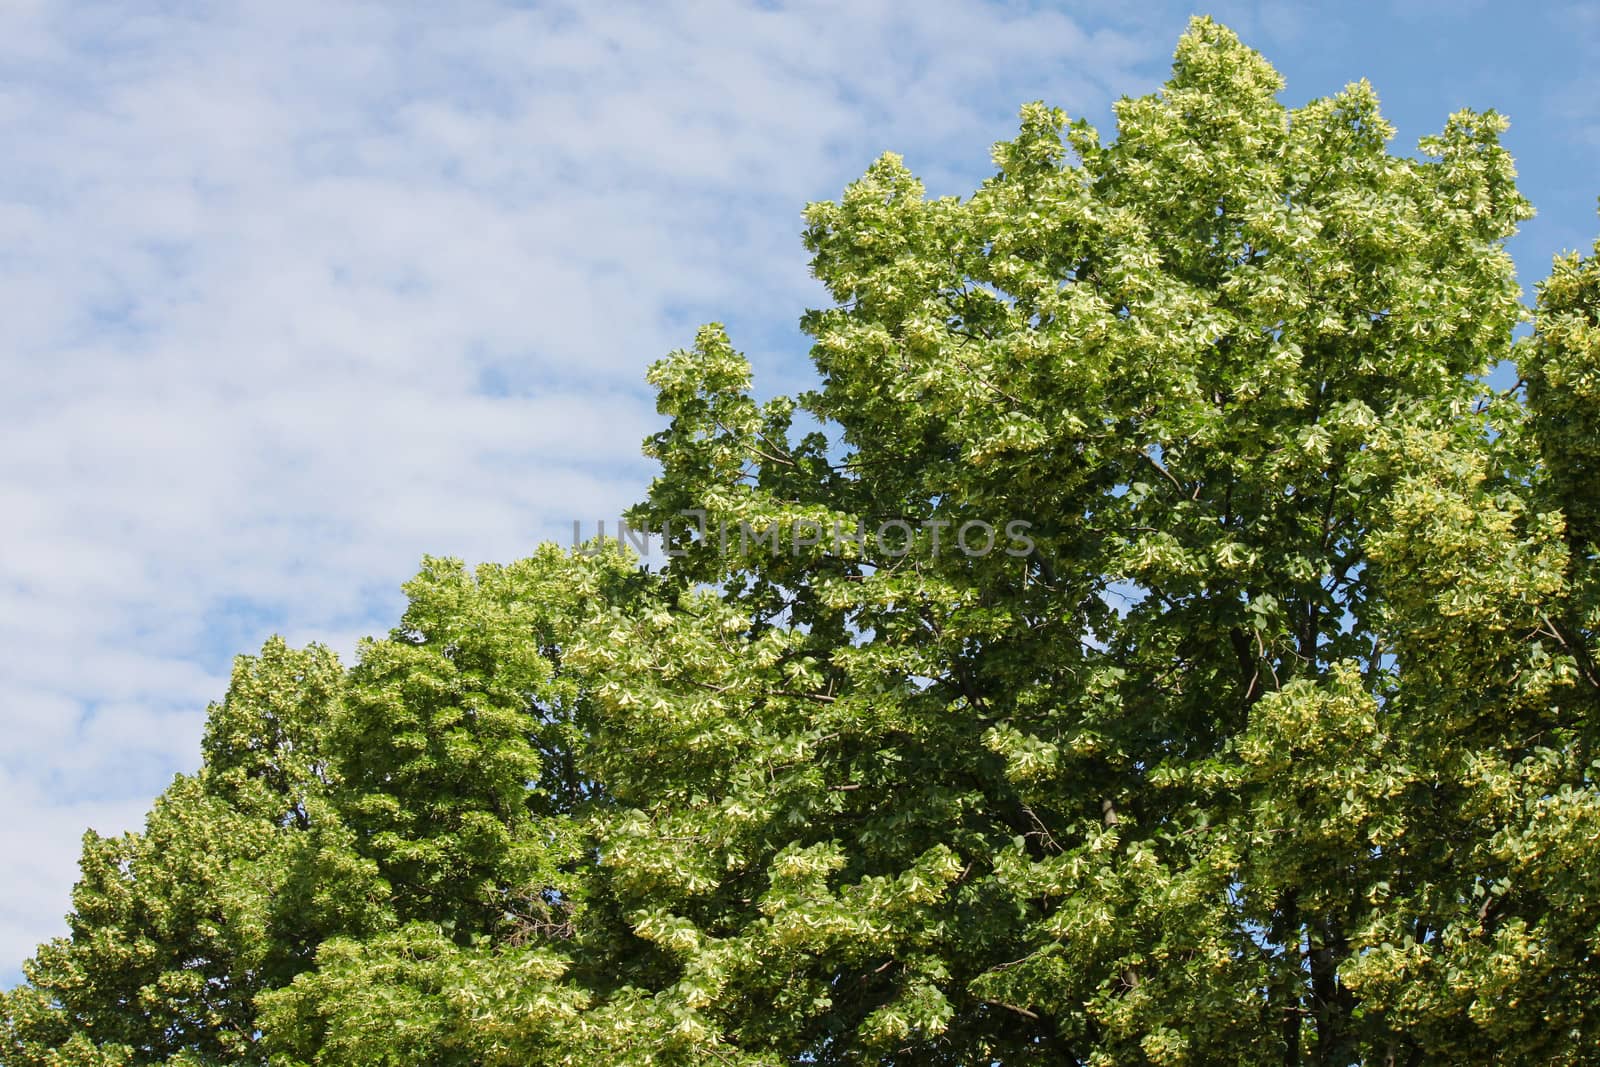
{"x": 295, "y": 293}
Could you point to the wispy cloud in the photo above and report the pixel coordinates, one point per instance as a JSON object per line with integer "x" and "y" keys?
{"x": 295, "y": 293}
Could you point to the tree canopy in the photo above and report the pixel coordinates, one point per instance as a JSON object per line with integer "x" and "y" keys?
{"x": 1273, "y": 740}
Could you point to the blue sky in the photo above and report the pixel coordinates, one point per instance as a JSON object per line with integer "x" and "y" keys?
{"x": 294, "y": 293}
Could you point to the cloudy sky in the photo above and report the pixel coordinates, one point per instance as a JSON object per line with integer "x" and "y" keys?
{"x": 293, "y": 293}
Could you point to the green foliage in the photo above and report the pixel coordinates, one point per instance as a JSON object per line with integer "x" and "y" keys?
{"x": 455, "y": 743}
{"x": 240, "y": 873}
{"x": 1278, "y": 745}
